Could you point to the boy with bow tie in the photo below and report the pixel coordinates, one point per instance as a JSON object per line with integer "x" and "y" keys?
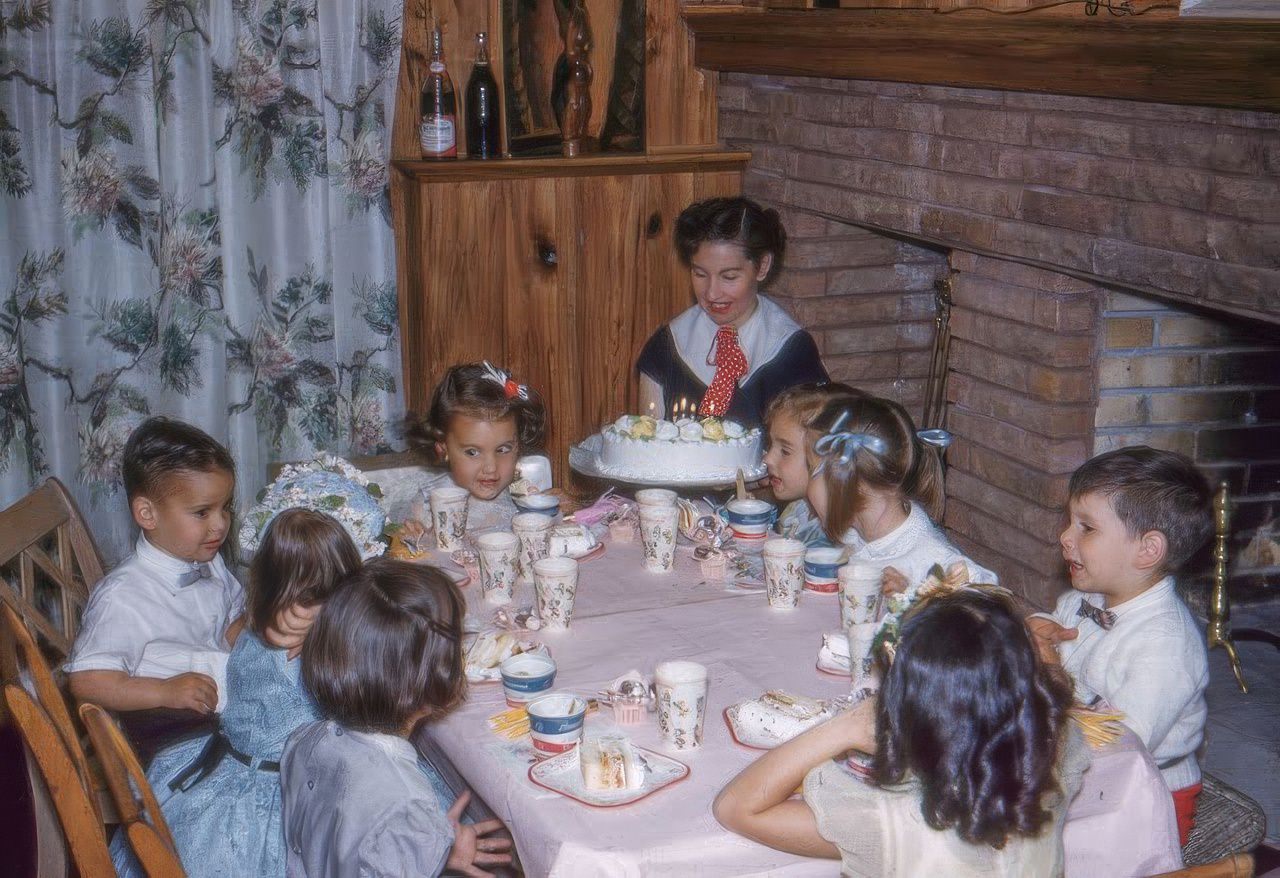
{"x": 158, "y": 629}
{"x": 1136, "y": 515}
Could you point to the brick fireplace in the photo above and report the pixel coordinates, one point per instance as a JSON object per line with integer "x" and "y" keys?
{"x": 1114, "y": 268}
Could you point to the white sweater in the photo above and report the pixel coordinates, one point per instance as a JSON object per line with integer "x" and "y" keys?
{"x": 1151, "y": 666}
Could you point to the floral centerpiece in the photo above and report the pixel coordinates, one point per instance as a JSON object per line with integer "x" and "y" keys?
{"x": 327, "y": 484}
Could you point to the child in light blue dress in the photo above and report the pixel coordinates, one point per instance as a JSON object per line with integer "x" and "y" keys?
{"x": 221, "y": 795}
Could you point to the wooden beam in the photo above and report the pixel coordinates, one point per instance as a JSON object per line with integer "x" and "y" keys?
{"x": 1205, "y": 62}
{"x": 600, "y": 164}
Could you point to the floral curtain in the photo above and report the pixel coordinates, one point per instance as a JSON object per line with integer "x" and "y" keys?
{"x": 195, "y": 218}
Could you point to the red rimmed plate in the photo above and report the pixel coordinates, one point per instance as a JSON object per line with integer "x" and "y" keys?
{"x": 562, "y": 774}
{"x": 830, "y": 673}
{"x": 589, "y": 556}
{"x": 731, "y": 720}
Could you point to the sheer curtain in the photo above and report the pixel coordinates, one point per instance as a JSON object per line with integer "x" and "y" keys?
{"x": 195, "y": 218}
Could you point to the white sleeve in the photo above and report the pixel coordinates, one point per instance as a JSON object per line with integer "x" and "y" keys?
{"x": 651, "y": 395}
{"x": 411, "y": 840}
{"x": 112, "y": 633}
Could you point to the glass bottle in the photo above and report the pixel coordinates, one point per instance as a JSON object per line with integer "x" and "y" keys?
{"x": 437, "y": 129}
{"x": 484, "y": 119}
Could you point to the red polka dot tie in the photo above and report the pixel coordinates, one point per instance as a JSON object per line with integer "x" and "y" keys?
{"x": 731, "y": 365}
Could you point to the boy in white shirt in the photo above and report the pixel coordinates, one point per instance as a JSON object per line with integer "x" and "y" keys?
{"x": 158, "y": 628}
{"x": 1122, "y": 633}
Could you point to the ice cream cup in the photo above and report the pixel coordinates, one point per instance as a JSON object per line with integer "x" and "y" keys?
{"x": 555, "y": 721}
{"x": 526, "y": 676}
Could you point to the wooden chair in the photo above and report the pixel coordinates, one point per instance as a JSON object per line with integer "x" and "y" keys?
{"x": 77, "y": 816}
{"x": 44, "y": 536}
{"x": 140, "y": 815}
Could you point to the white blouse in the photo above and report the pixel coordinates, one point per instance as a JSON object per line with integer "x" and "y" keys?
{"x": 912, "y": 548}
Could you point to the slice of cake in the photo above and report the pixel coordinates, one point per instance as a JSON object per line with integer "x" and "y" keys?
{"x": 609, "y": 764}
{"x": 573, "y": 540}
{"x": 779, "y": 716}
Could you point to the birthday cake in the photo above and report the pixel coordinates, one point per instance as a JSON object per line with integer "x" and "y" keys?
{"x": 641, "y": 447}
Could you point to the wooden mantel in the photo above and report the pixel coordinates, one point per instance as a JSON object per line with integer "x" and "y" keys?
{"x": 1207, "y": 62}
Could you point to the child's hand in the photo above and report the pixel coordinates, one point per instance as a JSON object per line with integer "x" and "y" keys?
{"x": 470, "y": 848}
{"x": 893, "y": 582}
{"x": 289, "y": 628}
{"x": 191, "y": 691}
{"x": 1046, "y": 634}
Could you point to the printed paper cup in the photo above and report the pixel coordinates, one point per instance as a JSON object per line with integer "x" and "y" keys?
{"x": 682, "y": 702}
{"x": 534, "y": 532}
{"x": 526, "y": 676}
{"x": 859, "y": 593}
{"x": 656, "y": 497}
{"x": 555, "y": 584}
{"x": 555, "y": 721}
{"x": 784, "y": 572}
{"x": 498, "y": 559}
{"x": 449, "y": 516}
{"x": 862, "y": 663}
{"x": 658, "y": 537}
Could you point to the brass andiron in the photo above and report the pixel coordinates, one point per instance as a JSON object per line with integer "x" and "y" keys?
{"x": 935, "y": 393}
{"x": 1219, "y": 632}
{"x": 577, "y": 108}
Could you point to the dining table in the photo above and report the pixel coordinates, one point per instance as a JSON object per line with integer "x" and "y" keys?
{"x": 629, "y": 619}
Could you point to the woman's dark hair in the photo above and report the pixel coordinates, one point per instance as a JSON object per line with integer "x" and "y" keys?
{"x": 757, "y": 230}
{"x": 906, "y": 464}
{"x": 470, "y": 390}
{"x": 387, "y": 646}
{"x": 968, "y": 710}
{"x": 303, "y": 556}
{"x": 160, "y": 448}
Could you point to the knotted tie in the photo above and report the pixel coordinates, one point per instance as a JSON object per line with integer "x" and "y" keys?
{"x": 197, "y": 573}
{"x": 1104, "y": 619}
{"x": 731, "y": 365}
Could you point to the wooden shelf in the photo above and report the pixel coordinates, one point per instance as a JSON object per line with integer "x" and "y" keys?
{"x": 1223, "y": 63}
{"x": 660, "y": 162}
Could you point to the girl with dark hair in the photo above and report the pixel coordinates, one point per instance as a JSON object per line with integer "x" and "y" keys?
{"x": 384, "y": 655}
{"x": 735, "y": 350}
{"x": 877, "y": 488}
{"x": 221, "y": 796}
{"x": 478, "y": 424}
{"x": 974, "y": 761}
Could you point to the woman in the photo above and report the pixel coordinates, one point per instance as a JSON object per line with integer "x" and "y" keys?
{"x": 735, "y": 350}
{"x": 974, "y": 759}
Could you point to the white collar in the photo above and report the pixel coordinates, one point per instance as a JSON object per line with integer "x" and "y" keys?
{"x": 760, "y": 338}
{"x": 1145, "y": 600}
{"x": 164, "y": 563}
{"x": 896, "y": 543}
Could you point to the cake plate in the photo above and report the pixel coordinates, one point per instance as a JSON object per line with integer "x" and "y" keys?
{"x": 584, "y": 458}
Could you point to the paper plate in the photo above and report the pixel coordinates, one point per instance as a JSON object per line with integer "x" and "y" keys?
{"x": 562, "y": 774}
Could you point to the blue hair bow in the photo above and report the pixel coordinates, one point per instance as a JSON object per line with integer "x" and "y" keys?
{"x": 845, "y": 444}
{"x": 937, "y": 438}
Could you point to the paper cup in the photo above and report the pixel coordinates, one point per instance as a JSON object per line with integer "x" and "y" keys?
{"x": 862, "y": 663}
{"x": 525, "y": 676}
{"x": 449, "y": 516}
{"x": 658, "y": 537}
{"x": 555, "y": 721}
{"x": 555, "y": 584}
{"x": 682, "y": 702}
{"x": 784, "y": 572}
{"x": 534, "y": 532}
{"x": 656, "y": 497}
{"x": 498, "y": 559}
{"x": 859, "y": 593}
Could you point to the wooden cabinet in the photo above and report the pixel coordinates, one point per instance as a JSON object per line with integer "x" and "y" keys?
{"x": 557, "y": 269}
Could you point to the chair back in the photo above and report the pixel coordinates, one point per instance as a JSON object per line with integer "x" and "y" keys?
{"x": 135, "y": 802}
{"x": 77, "y": 817}
{"x": 1234, "y": 866}
{"x": 22, "y": 663}
{"x": 49, "y": 562}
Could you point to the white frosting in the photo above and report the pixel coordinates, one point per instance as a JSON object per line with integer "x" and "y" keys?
{"x": 766, "y": 718}
{"x": 571, "y": 539}
{"x": 609, "y": 763}
{"x": 666, "y": 431}
{"x": 688, "y": 456}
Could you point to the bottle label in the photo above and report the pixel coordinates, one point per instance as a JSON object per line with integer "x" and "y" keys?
{"x": 437, "y": 136}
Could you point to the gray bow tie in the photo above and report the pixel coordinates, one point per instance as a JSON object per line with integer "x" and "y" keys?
{"x": 199, "y": 572}
{"x": 1104, "y": 619}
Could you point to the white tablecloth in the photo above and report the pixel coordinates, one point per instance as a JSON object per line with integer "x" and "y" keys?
{"x": 1121, "y": 824}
